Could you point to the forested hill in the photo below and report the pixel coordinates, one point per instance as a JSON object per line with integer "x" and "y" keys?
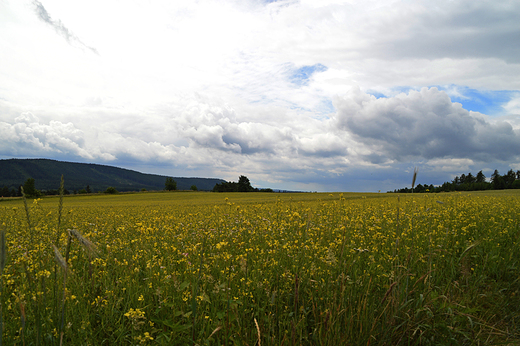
{"x": 77, "y": 176}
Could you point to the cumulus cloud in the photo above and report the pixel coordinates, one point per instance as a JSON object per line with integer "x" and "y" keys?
{"x": 27, "y": 136}
{"x": 513, "y": 106}
{"x": 424, "y": 125}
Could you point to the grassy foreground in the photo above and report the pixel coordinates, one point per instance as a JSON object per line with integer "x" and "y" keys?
{"x": 261, "y": 269}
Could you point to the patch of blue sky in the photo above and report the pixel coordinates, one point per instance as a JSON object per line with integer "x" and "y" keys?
{"x": 377, "y": 94}
{"x": 302, "y": 75}
{"x": 489, "y": 102}
{"x": 326, "y": 107}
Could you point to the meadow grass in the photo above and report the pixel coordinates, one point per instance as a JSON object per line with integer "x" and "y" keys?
{"x": 262, "y": 269}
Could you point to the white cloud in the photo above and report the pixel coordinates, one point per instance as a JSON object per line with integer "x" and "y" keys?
{"x": 28, "y": 137}
{"x": 513, "y": 106}
{"x": 451, "y": 165}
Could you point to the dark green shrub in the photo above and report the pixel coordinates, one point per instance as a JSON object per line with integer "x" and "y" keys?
{"x": 111, "y": 190}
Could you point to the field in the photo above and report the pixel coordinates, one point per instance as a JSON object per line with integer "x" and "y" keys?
{"x": 187, "y": 268}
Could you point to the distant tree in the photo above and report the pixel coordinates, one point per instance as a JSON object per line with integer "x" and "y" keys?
{"x": 170, "y": 184}
{"x": 244, "y": 185}
{"x": 194, "y": 188}
{"x": 470, "y": 179}
{"x": 88, "y": 189}
{"x": 82, "y": 191}
{"x": 230, "y": 186}
{"x": 111, "y": 190}
{"x": 509, "y": 178}
{"x": 419, "y": 188}
{"x": 218, "y": 188}
{"x": 29, "y": 188}
{"x": 456, "y": 180}
{"x": 481, "y": 178}
{"x": 143, "y": 190}
{"x": 5, "y": 192}
{"x": 497, "y": 181}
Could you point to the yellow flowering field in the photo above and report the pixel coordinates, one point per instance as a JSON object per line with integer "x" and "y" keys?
{"x": 195, "y": 268}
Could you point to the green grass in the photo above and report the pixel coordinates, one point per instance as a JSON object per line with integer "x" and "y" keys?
{"x": 264, "y": 268}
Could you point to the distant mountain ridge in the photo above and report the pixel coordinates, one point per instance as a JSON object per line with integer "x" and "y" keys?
{"x": 47, "y": 174}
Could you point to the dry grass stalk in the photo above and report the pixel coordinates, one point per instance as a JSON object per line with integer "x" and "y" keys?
{"x": 388, "y": 291}
{"x": 424, "y": 276}
{"x": 87, "y": 244}
{"x": 216, "y": 330}
{"x": 258, "y": 330}
{"x": 415, "y": 171}
{"x": 59, "y": 258}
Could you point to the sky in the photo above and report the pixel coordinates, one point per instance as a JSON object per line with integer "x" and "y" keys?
{"x": 300, "y": 95}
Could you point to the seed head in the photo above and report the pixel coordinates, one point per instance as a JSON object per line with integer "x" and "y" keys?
{"x": 415, "y": 171}
{"x": 59, "y": 258}
{"x": 87, "y": 244}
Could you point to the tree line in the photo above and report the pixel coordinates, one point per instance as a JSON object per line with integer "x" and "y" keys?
{"x": 470, "y": 182}
{"x": 243, "y": 185}
{"x": 29, "y": 188}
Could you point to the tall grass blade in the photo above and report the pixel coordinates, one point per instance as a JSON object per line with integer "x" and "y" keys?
{"x": 27, "y": 212}
{"x": 60, "y": 208}
{"x": 196, "y": 292}
{"x": 468, "y": 249}
{"x": 61, "y": 261}
{"x": 3, "y": 254}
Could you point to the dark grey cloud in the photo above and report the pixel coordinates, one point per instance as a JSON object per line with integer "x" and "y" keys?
{"x": 424, "y": 125}
{"x": 465, "y": 29}
{"x": 60, "y": 28}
